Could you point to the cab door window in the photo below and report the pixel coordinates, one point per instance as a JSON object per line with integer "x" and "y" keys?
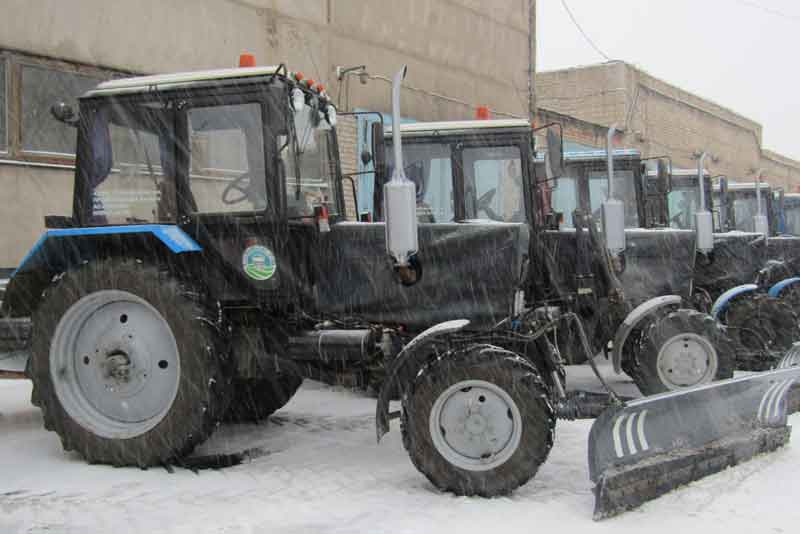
{"x": 226, "y": 165}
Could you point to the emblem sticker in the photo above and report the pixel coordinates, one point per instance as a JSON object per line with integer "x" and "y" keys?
{"x": 259, "y": 262}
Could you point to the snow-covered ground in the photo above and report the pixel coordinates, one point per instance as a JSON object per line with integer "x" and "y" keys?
{"x": 321, "y": 471}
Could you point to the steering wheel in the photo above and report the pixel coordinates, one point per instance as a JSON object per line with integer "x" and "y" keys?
{"x": 237, "y": 185}
{"x": 483, "y": 204}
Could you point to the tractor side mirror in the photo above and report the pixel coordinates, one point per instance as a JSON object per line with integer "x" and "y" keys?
{"x": 554, "y": 159}
{"x": 63, "y": 112}
{"x": 366, "y": 157}
{"x": 663, "y": 177}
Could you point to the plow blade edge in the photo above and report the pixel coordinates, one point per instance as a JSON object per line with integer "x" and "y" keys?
{"x": 652, "y": 445}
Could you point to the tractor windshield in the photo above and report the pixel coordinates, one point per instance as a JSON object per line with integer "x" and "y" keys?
{"x": 309, "y": 165}
{"x": 792, "y": 218}
{"x": 624, "y": 190}
{"x": 493, "y": 183}
{"x": 745, "y": 207}
{"x": 682, "y": 203}
{"x": 428, "y": 165}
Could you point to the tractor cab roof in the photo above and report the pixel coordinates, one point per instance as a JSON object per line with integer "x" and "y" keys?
{"x": 456, "y": 127}
{"x": 177, "y": 79}
{"x": 744, "y": 186}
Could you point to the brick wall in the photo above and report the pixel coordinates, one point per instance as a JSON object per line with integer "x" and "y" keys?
{"x": 661, "y": 119}
{"x": 347, "y": 133}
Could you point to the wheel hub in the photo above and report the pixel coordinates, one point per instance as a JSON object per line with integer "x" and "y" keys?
{"x": 475, "y": 425}
{"x": 686, "y": 360}
{"x": 115, "y": 364}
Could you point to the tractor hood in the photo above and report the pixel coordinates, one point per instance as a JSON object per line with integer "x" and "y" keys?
{"x": 469, "y": 271}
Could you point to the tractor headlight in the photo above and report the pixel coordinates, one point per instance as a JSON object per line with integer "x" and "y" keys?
{"x": 298, "y": 99}
{"x": 331, "y": 114}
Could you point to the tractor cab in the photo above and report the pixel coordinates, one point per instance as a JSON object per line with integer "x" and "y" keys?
{"x": 742, "y": 203}
{"x": 584, "y": 185}
{"x": 241, "y": 164}
{"x": 467, "y": 170}
{"x": 791, "y": 213}
{"x": 683, "y": 199}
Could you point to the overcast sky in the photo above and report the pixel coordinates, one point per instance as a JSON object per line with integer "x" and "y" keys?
{"x": 742, "y": 54}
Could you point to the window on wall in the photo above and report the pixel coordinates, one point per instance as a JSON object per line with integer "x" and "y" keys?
{"x": 3, "y": 119}
{"x": 29, "y": 86}
{"x": 41, "y": 88}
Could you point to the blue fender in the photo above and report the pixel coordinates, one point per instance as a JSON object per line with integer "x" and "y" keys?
{"x": 175, "y": 239}
{"x": 405, "y": 366}
{"x": 722, "y": 302}
{"x": 777, "y": 289}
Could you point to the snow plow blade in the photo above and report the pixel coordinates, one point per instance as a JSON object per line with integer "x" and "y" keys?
{"x": 653, "y": 445}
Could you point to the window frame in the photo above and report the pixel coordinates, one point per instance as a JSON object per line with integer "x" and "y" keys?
{"x": 15, "y": 62}
{"x": 5, "y": 144}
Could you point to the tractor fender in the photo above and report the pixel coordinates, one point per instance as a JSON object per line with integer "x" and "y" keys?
{"x": 633, "y": 319}
{"x": 405, "y": 367}
{"x": 722, "y": 302}
{"x": 175, "y": 239}
{"x": 61, "y": 249}
{"x": 777, "y": 289}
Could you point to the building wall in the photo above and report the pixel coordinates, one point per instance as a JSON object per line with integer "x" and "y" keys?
{"x": 661, "y": 119}
{"x": 474, "y": 53}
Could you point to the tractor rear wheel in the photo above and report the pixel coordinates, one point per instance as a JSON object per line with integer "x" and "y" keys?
{"x": 682, "y": 349}
{"x": 125, "y": 364}
{"x": 253, "y": 400}
{"x": 478, "y": 422}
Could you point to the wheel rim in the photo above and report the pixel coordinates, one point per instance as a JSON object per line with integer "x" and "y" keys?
{"x": 114, "y": 364}
{"x": 475, "y": 425}
{"x": 686, "y": 360}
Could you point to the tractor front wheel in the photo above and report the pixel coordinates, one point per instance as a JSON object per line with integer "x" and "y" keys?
{"x": 679, "y": 350}
{"x": 125, "y": 365}
{"x": 478, "y": 422}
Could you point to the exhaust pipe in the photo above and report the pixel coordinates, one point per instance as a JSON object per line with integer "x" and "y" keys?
{"x": 703, "y": 220}
{"x": 400, "y": 194}
{"x": 760, "y": 223}
{"x": 612, "y": 210}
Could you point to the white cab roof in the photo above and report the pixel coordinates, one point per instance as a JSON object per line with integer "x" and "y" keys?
{"x": 177, "y": 79}
{"x": 429, "y": 127}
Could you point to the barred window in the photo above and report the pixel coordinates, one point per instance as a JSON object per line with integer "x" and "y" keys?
{"x": 41, "y": 88}
{"x": 3, "y": 108}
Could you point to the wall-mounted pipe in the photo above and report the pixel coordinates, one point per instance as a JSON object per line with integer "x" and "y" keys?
{"x": 610, "y": 158}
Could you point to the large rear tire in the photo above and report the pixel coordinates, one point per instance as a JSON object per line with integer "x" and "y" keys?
{"x": 253, "y": 400}
{"x": 681, "y": 349}
{"x": 125, "y": 364}
{"x": 478, "y": 422}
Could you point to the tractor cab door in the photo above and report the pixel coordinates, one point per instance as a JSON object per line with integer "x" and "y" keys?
{"x": 253, "y": 183}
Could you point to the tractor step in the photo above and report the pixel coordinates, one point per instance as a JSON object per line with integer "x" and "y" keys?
{"x": 15, "y": 333}
{"x": 624, "y": 488}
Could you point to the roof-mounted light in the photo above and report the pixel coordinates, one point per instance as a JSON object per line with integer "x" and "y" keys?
{"x": 482, "y": 113}
{"x": 247, "y": 60}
